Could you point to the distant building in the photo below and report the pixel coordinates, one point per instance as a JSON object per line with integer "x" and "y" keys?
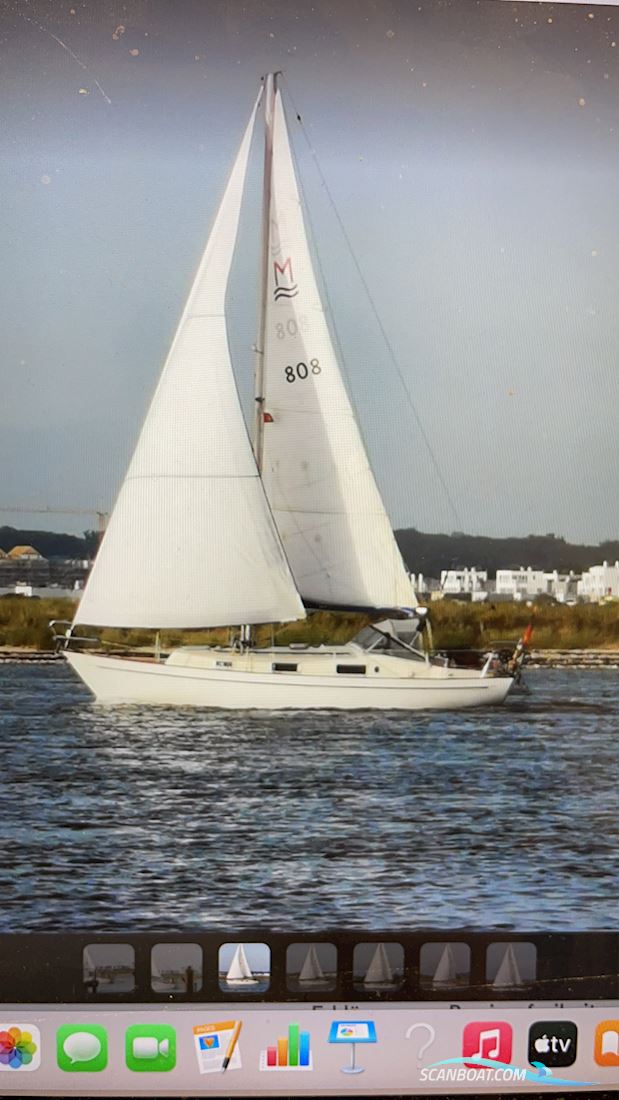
{"x": 23, "y": 589}
{"x": 599, "y": 581}
{"x": 563, "y": 586}
{"x": 55, "y": 592}
{"x": 458, "y": 582}
{"x": 25, "y": 553}
{"x": 520, "y": 583}
{"x": 26, "y": 565}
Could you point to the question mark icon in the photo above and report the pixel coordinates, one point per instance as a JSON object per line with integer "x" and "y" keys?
{"x": 426, "y": 1042}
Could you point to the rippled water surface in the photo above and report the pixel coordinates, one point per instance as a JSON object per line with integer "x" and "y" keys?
{"x": 153, "y": 817}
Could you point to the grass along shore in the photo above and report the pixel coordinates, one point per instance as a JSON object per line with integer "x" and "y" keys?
{"x": 24, "y": 625}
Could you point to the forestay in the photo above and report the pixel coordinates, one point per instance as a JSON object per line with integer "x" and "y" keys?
{"x": 191, "y": 541}
{"x": 329, "y": 513}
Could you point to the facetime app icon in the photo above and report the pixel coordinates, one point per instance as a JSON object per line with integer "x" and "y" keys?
{"x": 150, "y": 1048}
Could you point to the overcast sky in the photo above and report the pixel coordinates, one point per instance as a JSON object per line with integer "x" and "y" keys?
{"x": 471, "y": 151}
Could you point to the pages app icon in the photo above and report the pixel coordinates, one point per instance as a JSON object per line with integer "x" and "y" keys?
{"x": 491, "y": 1039}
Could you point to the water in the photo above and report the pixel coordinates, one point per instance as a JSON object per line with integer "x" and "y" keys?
{"x": 149, "y": 818}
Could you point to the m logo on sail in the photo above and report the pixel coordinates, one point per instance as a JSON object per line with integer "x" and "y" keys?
{"x": 285, "y": 286}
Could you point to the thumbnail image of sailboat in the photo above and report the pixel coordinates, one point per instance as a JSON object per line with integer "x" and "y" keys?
{"x": 508, "y": 975}
{"x": 239, "y": 971}
{"x": 445, "y": 973}
{"x": 378, "y": 966}
{"x": 311, "y": 966}
{"x": 239, "y": 974}
{"x": 380, "y": 971}
{"x": 444, "y": 965}
{"x": 311, "y": 971}
{"x": 212, "y": 530}
{"x": 511, "y": 965}
{"x": 176, "y": 968}
{"x": 109, "y": 968}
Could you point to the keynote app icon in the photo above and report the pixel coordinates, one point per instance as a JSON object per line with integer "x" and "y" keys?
{"x": 490, "y": 1039}
{"x": 20, "y": 1047}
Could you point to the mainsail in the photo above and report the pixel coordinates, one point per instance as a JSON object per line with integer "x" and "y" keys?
{"x": 445, "y": 973}
{"x": 508, "y": 975}
{"x": 240, "y": 970}
{"x": 327, "y": 507}
{"x": 380, "y": 971}
{"x": 191, "y": 541}
{"x": 312, "y": 971}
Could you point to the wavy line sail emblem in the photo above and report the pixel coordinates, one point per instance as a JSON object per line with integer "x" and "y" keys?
{"x": 285, "y": 286}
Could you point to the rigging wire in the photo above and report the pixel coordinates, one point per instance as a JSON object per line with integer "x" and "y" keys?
{"x": 394, "y": 360}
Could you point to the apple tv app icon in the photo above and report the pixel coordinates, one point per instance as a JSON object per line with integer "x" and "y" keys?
{"x": 553, "y": 1043}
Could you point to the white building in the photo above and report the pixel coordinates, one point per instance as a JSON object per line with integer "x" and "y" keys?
{"x": 455, "y": 582}
{"x": 599, "y": 581}
{"x": 520, "y": 583}
{"x": 561, "y": 585}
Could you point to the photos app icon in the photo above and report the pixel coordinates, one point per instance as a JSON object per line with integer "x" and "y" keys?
{"x": 20, "y": 1047}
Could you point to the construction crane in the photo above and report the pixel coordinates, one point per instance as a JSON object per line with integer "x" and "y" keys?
{"x": 102, "y": 517}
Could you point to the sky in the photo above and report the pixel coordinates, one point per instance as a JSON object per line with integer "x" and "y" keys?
{"x": 470, "y": 151}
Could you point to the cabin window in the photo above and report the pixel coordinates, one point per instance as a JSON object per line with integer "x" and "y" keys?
{"x": 283, "y": 666}
{"x": 356, "y": 670}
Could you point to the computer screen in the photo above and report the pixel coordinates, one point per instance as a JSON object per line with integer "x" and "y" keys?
{"x": 309, "y": 548}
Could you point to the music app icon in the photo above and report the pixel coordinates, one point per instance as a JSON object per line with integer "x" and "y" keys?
{"x": 489, "y": 1039}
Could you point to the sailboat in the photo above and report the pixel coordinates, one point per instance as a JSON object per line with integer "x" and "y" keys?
{"x": 379, "y": 972}
{"x": 312, "y": 971}
{"x": 240, "y": 972}
{"x": 445, "y": 973}
{"x": 508, "y": 975}
{"x": 211, "y": 530}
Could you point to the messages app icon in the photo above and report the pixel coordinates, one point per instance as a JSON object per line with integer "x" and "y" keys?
{"x": 81, "y": 1048}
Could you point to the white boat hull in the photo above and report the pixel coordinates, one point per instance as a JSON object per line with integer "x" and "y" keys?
{"x": 122, "y": 680}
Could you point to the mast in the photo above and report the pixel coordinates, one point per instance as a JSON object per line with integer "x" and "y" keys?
{"x": 269, "y": 101}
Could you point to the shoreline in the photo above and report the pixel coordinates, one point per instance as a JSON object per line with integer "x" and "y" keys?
{"x": 539, "y": 658}
{"x": 573, "y": 658}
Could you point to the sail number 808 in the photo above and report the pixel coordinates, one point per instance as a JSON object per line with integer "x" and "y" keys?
{"x": 302, "y": 370}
